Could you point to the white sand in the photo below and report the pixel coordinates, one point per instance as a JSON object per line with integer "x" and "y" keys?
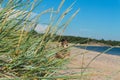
{"x": 104, "y": 67}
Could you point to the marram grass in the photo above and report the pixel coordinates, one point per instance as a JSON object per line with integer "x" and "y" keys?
{"x": 25, "y": 54}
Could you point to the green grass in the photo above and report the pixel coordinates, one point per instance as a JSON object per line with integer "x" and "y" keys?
{"x": 25, "y": 55}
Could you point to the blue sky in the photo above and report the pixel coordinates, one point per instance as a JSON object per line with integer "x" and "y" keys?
{"x": 99, "y": 19}
{"x": 96, "y": 19}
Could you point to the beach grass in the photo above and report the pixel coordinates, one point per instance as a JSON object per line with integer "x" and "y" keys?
{"x": 24, "y": 54}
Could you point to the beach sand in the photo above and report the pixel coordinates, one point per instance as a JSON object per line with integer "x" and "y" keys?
{"x": 104, "y": 67}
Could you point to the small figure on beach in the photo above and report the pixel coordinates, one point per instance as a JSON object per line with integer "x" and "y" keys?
{"x": 64, "y": 52}
{"x": 64, "y": 43}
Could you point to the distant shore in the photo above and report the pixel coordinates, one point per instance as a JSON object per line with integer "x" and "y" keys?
{"x": 95, "y": 45}
{"x": 92, "y": 45}
{"x": 104, "y": 67}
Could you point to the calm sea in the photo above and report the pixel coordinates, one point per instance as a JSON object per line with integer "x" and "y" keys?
{"x": 114, "y": 51}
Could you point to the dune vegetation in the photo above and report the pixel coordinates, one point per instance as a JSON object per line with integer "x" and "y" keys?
{"x": 23, "y": 54}
{"x": 27, "y": 55}
{"x": 83, "y": 40}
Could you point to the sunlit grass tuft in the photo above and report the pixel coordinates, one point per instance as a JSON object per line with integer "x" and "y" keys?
{"x": 24, "y": 54}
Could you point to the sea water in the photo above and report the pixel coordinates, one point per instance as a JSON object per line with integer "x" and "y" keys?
{"x": 113, "y": 51}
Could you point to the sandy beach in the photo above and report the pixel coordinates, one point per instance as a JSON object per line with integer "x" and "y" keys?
{"x": 104, "y": 67}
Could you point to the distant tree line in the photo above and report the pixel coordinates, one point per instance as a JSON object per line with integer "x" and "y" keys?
{"x": 81, "y": 40}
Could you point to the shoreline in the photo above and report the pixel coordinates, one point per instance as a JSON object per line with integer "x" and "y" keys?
{"x": 99, "y": 52}
{"x": 96, "y": 45}
{"x": 111, "y": 52}
{"x": 101, "y": 68}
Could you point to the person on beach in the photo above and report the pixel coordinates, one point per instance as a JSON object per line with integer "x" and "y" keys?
{"x": 64, "y": 43}
{"x": 63, "y": 53}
